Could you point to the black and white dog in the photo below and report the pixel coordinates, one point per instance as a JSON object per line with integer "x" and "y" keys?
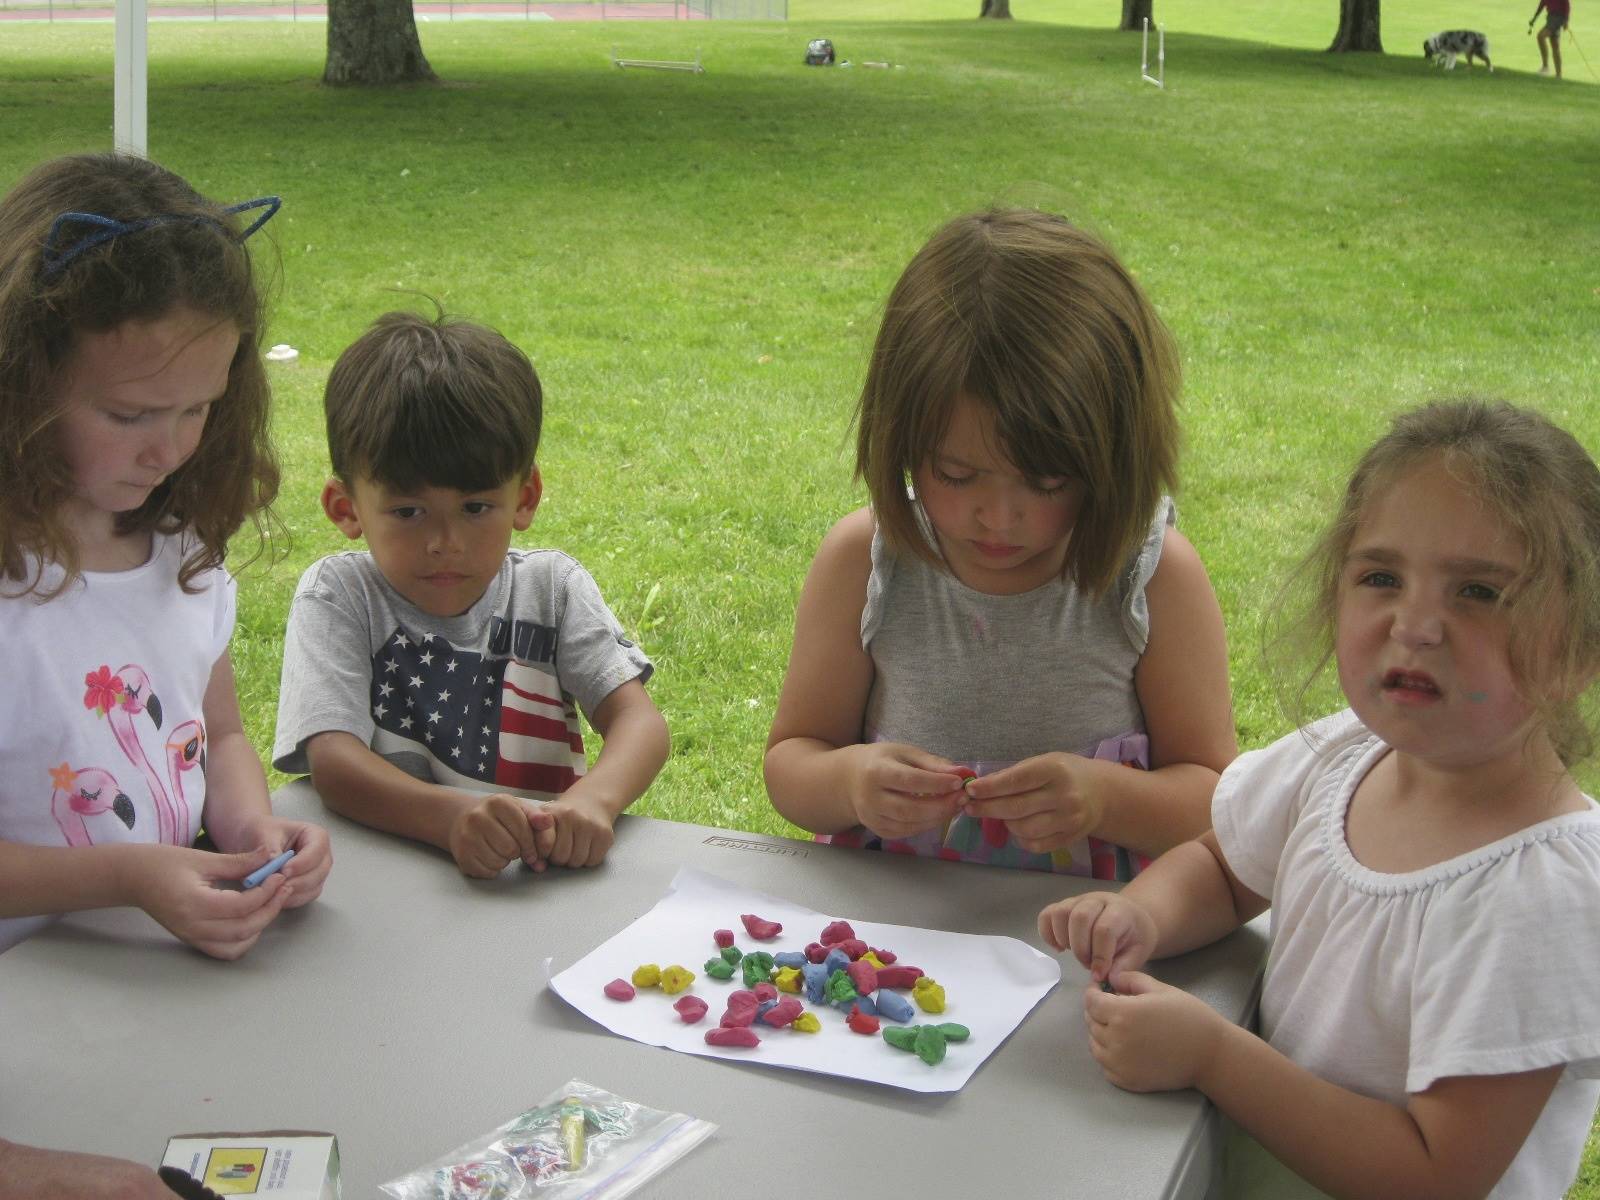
{"x": 1452, "y": 44}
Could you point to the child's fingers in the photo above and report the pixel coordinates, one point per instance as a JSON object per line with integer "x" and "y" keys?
{"x": 1053, "y": 924}
{"x": 512, "y": 832}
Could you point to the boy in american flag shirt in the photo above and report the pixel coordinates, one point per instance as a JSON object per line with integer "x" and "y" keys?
{"x": 432, "y": 683}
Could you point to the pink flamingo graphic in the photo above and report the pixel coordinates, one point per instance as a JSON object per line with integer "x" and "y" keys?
{"x": 186, "y": 750}
{"x": 136, "y": 696}
{"x": 85, "y": 793}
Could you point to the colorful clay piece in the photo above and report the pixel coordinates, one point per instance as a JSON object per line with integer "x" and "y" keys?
{"x": 871, "y": 956}
{"x": 853, "y": 948}
{"x": 784, "y": 1012}
{"x": 718, "y": 968}
{"x": 837, "y": 960}
{"x": 954, "y": 1033}
{"x": 807, "y": 1022}
{"x": 864, "y": 975}
{"x": 723, "y": 1036}
{"x": 731, "y": 955}
{"x": 723, "y": 938}
{"x": 860, "y": 1022}
{"x": 816, "y": 982}
{"x": 742, "y": 999}
{"x": 928, "y": 995}
{"x": 675, "y": 979}
{"x": 816, "y": 952}
{"x": 885, "y": 957}
{"x": 893, "y": 1005}
{"x": 963, "y": 773}
{"x": 757, "y": 967}
{"x": 898, "y": 976}
{"x": 929, "y": 1045}
{"x": 836, "y": 931}
{"x": 691, "y": 1008}
{"x": 867, "y": 1003}
{"x": 620, "y": 989}
{"x": 760, "y": 928}
{"x": 737, "y": 1018}
{"x": 840, "y": 988}
{"x": 789, "y": 958}
{"x": 765, "y": 991}
{"x": 901, "y": 1037}
{"x": 648, "y": 975}
{"x": 765, "y": 1007}
{"x": 788, "y": 979}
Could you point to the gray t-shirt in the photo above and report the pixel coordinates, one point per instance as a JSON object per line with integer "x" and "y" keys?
{"x": 486, "y": 700}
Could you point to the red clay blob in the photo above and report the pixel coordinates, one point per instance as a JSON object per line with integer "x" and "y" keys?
{"x": 760, "y": 928}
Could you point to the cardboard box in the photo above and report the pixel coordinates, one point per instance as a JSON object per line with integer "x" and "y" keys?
{"x": 285, "y": 1164}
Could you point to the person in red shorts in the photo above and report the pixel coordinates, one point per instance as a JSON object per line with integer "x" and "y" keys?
{"x": 1557, "y": 16}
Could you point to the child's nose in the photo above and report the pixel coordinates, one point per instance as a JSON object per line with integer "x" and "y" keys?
{"x": 443, "y": 538}
{"x": 1418, "y": 622}
{"x": 998, "y": 506}
{"x": 164, "y": 450}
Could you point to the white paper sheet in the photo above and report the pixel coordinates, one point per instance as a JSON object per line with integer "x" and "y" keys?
{"x": 991, "y": 984}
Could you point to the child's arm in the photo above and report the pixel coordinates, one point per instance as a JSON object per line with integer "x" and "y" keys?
{"x": 174, "y": 884}
{"x": 238, "y": 812}
{"x": 1187, "y": 898}
{"x": 1455, "y": 1139}
{"x": 634, "y": 745}
{"x": 819, "y": 773}
{"x": 482, "y": 833}
{"x": 30, "y": 1173}
{"x": 1181, "y": 680}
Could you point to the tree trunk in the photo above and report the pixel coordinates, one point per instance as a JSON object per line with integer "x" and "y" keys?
{"x": 998, "y": 10}
{"x": 1358, "y": 27}
{"x": 1135, "y": 13}
{"x": 374, "y": 42}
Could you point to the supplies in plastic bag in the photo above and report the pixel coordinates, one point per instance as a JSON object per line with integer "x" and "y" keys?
{"x": 581, "y": 1143}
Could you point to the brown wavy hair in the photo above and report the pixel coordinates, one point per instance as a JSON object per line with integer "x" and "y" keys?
{"x": 1538, "y": 480}
{"x": 1037, "y": 321}
{"x": 194, "y": 262}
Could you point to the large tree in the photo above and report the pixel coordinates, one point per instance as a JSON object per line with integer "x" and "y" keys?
{"x": 374, "y": 42}
{"x": 1135, "y": 13}
{"x": 1358, "y": 26}
{"x": 998, "y": 10}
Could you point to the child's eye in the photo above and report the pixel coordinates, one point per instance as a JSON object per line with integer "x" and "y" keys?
{"x": 1480, "y": 591}
{"x": 199, "y": 410}
{"x": 1378, "y": 579}
{"x": 405, "y": 512}
{"x": 120, "y": 418}
{"x": 476, "y": 508}
{"x": 950, "y": 480}
{"x": 1049, "y": 487}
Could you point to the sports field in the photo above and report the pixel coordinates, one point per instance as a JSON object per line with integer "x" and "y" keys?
{"x": 696, "y": 264}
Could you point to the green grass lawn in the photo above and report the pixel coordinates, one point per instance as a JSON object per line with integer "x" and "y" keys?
{"x": 696, "y": 265}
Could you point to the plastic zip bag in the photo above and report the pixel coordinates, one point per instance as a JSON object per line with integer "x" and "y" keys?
{"x": 581, "y": 1143}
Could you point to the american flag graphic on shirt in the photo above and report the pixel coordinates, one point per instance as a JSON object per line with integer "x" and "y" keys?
{"x": 497, "y": 722}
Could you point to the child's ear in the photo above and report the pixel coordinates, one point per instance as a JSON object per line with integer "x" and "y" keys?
{"x": 528, "y": 499}
{"x": 341, "y": 507}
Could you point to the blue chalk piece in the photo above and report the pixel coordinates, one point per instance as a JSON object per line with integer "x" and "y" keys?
{"x": 866, "y": 1004}
{"x": 790, "y": 958}
{"x": 816, "y": 980}
{"x": 764, "y": 1007}
{"x": 894, "y": 1006}
{"x": 259, "y": 875}
{"x": 837, "y": 960}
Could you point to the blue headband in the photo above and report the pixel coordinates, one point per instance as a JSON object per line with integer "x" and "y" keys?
{"x": 54, "y": 260}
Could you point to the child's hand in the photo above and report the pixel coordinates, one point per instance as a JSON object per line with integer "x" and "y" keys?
{"x": 582, "y": 831}
{"x": 177, "y": 886}
{"x": 898, "y": 791}
{"x": 65, "y": 1175}
{"x": 1105, "y": 932}
{"x": 1047, "y": 801}
{"x": 497, "y": 831}
{"x": 313, "y": 855}
{"x": 1149, "y": 1036}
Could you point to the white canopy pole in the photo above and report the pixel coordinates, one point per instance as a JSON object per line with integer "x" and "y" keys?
{"x": 131, "y": 127}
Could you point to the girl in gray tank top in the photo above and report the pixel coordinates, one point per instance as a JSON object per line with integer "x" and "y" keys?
{"x": 1014, "y": 622}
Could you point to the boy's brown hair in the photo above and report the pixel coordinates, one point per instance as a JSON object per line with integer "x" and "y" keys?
{"x": 181, "y": 252}
{"x": 415, "y": 402}
{"x": 1039, "y": 323}
{"x": 1537, "y": 479}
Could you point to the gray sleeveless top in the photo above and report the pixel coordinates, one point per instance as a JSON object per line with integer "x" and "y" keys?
{"x": 994, "y": 679}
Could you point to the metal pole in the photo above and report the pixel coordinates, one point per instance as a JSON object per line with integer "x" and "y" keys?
{"x": 130, "y": 126}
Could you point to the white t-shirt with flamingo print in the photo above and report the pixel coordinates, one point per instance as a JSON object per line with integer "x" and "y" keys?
{"x": 101, "y": 733}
